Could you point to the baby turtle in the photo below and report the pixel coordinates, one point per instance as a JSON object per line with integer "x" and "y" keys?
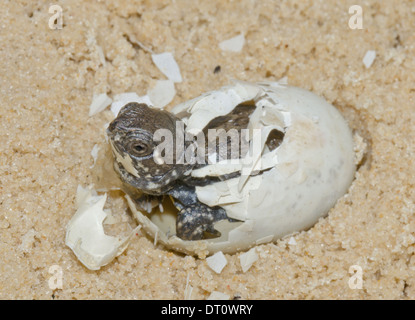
{"x": 137, "y": 161}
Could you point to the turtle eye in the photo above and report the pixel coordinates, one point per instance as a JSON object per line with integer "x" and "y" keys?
{"x": 139, "y": 148}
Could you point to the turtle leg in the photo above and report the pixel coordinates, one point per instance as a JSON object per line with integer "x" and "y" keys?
{"x": 195, "y": 221}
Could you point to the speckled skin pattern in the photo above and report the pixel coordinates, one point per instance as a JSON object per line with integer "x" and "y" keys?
{"x": 131, "y": 136}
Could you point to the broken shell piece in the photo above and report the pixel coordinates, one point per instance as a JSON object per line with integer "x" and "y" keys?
{"x": 292, "y": 241}
{"x": 167, "y": 65}
{"x": 285, "y": 190}
{"x": 217, "y": 262}
{"x": 188, "y": 289}
{"x": 99, "y": 103}
{"x": 247, "y": 259}
{"x": 234, "y": 44}
{"x": 162, "y": 93}
{"x": 369, "y": 58}
{"x": 94, "y": 154}
{"x": 85, "y": 232}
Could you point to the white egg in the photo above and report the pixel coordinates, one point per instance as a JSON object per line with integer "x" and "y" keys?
{"x": 299, "y": 181}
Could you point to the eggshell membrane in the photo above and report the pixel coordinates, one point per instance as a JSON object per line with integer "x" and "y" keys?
{"x": 304, "y": 177}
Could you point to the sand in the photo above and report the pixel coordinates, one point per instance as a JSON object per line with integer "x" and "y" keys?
{"x": 49, "y": 77}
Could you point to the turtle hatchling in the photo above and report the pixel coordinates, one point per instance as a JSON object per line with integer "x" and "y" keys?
{"x": 243, "y": 165}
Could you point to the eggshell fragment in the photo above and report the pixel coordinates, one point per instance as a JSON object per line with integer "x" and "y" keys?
{"x": 369, "y": 58}
{"x": 167, "y": 65}
{"x": 247, "y": 259}
{"x": 162, "y": 93}
{"x": 234, "y": 44}
{"x": 99, "y": 103}
{"x": 188, "y": 289}
{"x": 85, "y": 233}
{"x": 217, "y": 262}
{"x": 94, "y": 154}
{"x": 292, "y": 241}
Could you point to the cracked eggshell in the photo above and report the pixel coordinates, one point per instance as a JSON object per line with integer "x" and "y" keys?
{"x": 85, "y": 232}
{"x": 304, "y": 177}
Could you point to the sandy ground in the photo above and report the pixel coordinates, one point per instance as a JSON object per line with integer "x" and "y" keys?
{"x": 47, "y": 81}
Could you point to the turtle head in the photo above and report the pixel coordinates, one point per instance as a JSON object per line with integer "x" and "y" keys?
{"x": 135, "y": 139}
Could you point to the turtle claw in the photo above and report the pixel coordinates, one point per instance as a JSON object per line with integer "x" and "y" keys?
{"x": 148, "y": 202}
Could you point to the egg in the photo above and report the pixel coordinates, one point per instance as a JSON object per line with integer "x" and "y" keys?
{"x": 277, "y": 191}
